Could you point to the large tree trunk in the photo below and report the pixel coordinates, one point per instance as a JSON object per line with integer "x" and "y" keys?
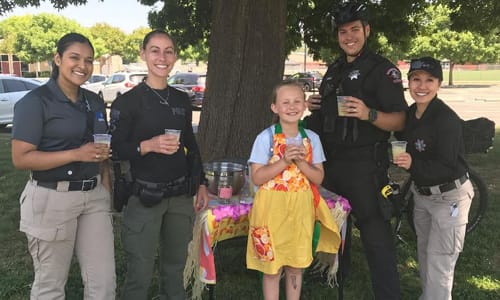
{"x": 241, "y": 75}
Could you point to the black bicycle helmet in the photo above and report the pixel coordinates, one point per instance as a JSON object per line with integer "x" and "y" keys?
{"x": 349, "y": 12}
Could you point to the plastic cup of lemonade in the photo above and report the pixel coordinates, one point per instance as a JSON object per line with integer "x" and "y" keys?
{"x": 342, "y": 106}
{"x": 398, "y": 147}
{"x": 102, "y": 138}
{"x": 175, "y": 132}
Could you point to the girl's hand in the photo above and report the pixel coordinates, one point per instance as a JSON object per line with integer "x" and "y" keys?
{"x": 293, "y": 153}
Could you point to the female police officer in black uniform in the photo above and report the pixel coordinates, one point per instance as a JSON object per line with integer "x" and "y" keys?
{"x": 356, "y": 145}
{"x": 161, "y": 208}
{"x": 441, "y": 188}
{"x": 65, "y": 206}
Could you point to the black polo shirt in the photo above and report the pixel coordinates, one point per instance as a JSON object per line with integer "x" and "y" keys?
{"x": 371, "y": 78}
{"x": 139, "y": 115}
{"x": 46, "y": 118}
{"x": 435, "y": 144}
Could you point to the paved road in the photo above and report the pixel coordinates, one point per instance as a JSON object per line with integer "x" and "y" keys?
{"x": 469, "y": 101}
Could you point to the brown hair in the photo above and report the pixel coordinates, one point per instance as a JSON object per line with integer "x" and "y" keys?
{"x": 63, "y": 44}
{"x": 148, "y": 37}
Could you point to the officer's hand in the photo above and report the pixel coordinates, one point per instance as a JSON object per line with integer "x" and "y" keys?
{"x": 356, "y": 108}
{"x": 403, "y": 160}
{"x": 164, "y": 144}
{"x": 93, "y": 152}
{"x": 314, "y": 102}
{"x": 202, "y": 199}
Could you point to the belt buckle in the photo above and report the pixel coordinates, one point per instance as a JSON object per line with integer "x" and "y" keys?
{"x": 62, "y": 186}
{"x": 87, "y": 184}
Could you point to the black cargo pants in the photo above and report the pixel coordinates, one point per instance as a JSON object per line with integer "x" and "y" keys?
{"x": 359, "y": 180}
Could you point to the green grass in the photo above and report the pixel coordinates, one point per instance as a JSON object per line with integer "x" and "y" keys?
{"x": 477, "y": 274}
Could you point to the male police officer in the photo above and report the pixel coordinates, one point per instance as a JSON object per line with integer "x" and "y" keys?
{"x": 356, "y": 144}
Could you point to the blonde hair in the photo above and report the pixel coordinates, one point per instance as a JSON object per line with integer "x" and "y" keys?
{"x": 274, "y": 94}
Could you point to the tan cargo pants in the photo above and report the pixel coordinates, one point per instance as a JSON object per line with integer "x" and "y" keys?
{"x": 440, "y": 223}
{"x": 60, "y": 223}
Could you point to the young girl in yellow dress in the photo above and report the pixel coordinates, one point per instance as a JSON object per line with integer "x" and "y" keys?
{"x": 287, "y": 203}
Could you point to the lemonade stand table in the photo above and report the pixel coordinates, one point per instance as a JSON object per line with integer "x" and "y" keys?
{"x": 221, "y": 222}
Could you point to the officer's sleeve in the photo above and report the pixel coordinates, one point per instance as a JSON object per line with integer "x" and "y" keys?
{"x": 122, "y": 123}
{"x": 390, "y": 89}
{"x": 27, "y": 125}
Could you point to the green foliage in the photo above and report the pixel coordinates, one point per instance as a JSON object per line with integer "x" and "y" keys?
{"x": 196, "y": 53}
{"x": 132, "y": 45}
{"x": 112, "y": 39}
{"x": 437, "y": 39}
{"x": 34, "y": 38}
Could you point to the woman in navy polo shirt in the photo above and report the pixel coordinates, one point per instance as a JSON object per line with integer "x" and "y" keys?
{"x": 441, "y": 188}
{"x": 65, "y": 206}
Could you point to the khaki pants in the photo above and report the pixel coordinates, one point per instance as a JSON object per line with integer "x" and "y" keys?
{"x": 60, "y": 223}
{"x": 440, "y": 223}
{"x": 166, "y": 228}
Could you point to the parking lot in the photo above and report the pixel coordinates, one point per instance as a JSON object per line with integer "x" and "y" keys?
{"x": 468, "y": 100}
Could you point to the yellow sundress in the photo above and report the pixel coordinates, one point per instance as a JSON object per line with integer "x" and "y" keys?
{"x": 281, "y": 221}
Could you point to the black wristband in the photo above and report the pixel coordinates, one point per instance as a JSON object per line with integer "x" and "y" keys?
{"x": 372, "y": 115}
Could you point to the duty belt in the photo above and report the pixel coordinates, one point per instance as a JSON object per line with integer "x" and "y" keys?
{"x": 68, "y": 186}
{"x": 442, "y": 188}
{"x": 174, "y": 187}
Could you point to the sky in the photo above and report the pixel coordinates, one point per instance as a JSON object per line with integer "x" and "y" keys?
{"x": 124, "y": 14}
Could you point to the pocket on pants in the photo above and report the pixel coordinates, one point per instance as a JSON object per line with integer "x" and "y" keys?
{"x": 55, "y": 233}
{"x": 449, "y": 240}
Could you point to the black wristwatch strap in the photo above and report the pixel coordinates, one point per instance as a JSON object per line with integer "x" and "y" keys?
{"x": 372, "y": 115}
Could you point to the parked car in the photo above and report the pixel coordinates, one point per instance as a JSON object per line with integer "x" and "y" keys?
{"x": 95, "y": 83}
{"x": 11, "y": 90}
{"x": 191, "y": 83}
{"x": 309, "y": 80}
{"x": 119, "y": 83}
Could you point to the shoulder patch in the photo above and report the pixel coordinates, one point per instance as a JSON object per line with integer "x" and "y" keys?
{"x": 394, "y": 75}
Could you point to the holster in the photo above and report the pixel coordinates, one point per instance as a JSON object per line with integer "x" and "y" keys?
{"x": 122, "y": 187}
{"x": 386, "y": 205}
{"x": 151, "y": 194}
{"x": 150, "y": 197}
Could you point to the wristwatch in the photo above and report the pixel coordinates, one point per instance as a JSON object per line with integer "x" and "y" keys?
{"x": 372, "y": 115}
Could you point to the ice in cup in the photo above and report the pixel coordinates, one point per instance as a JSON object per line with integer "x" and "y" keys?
{"x": 294, "y": 141}
{"x": 102, "y": 138}
{"x": 175, "y": 132}
{"x": 342, "y": 105}
{"x": 397, "y": 147}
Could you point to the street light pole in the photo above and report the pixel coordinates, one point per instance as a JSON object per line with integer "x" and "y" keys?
{"x": 305, "y": 55}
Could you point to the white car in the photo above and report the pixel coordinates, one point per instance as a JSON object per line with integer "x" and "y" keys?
{"x": 95, "y": 83}
{"x": 11, "y": 90}
{"x": 119, "y": 83}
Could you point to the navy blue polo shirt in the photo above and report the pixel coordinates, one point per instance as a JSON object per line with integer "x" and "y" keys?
{"x": 46, "y": 118}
